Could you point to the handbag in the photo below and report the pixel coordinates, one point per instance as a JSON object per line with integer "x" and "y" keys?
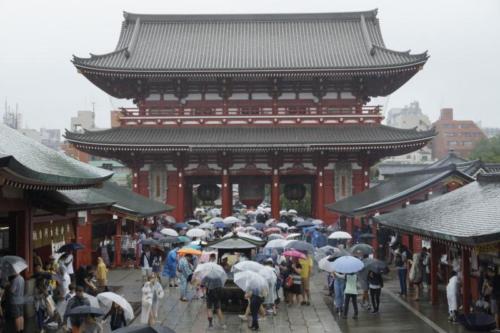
{"x": 289, "y": 281}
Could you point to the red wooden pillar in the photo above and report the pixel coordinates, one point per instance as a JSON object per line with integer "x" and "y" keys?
{"x": 179, "y": 209}
{"x": 135, "y": 179}
{"x": 227, "y": 195}
{"x": 118, "y": 243}
{"x": 434, "y": 272}
{"x": 320, "y": 198}
{"x": 24, "y": 228}
{"x": 275, "y": 195}
{"x": 466, "y": 280}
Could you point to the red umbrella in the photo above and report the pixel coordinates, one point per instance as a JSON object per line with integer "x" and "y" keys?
{"x": 273, "y": 230}
{"x": 294, "y": 253}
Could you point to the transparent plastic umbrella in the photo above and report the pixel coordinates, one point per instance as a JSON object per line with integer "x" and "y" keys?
{"x": 12, "y": 265}
{"x": 247, "y": 266}
{"x": 339, "y": 235}
{"x": 216, "y": 219}
{"x": 169, "y": 232}
{"x": 282, "y": 225}
{"x": 231, "y": 220}
{"x": 250, "y": 281}
{"x": 275, "y": 236}
{"x": 276, "y": 244}
{"x": 196, "y": 233}
{"x": 107, "y": 299}
{"x": 210, "y": 274}
{"x": 268, "y": 273}
{"x": 293, "y": 235}
{"x": 300, "y": 246}
{"x": 361, "y": 249}
{"x": 206, "y": 225}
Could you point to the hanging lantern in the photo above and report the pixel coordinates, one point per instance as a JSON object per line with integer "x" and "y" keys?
{"x": 295, "y": 191}
{"x": 251, "y": 193}
{"x": 208, "y": 192}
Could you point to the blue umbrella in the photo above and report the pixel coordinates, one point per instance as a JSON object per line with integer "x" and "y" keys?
{"x": 180, "y": 226}
{"x": 220, "y": 225}
{"x": 70, "y": 247}
{"x": 259, "y": 226}
{"x": 347, "y": 265}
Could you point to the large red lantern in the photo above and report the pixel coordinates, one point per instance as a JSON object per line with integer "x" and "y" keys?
{"x": 295, "y": 192}
{"x": 251, "y": 193}
{"x": 208, "y": 192}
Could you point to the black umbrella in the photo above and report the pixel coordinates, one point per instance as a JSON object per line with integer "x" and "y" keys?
{"x": 375, "y": 265}
{"x": 338, "y": 254}
{"x": 70, "y": 247}
{"x": 85, "y": 310}
{"x": 150, "y": 242}
{"x": 144, "y": 329}
{"x": 361, "y": 249}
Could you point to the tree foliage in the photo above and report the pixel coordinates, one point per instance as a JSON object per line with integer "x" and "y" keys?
{"x": 488, "y": 150}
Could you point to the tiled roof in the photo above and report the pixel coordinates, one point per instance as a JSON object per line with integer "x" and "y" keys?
{"x": 397, "y": 188}
{"x": 212, "y": 138}
{"x": 260, "y": 42}
{"x": 391, "y": 168}
{"x": 469, "y": 215}
{"x": 116, "y": 197}
{"x": 29, "y": 164}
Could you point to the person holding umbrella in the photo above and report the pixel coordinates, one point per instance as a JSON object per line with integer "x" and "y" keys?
{"x": 170, "y": 268}
{"x": 351, "y": 293}
{"x": 117, "y": 317}
{"x": 15, "y": 299}
{"x": 186, "y": 272}
{"x": 375, "y": 283}
{"x": 78, "y": 300}
{"x": 295, "y": 270}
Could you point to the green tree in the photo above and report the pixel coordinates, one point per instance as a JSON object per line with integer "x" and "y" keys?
{"x": 487, "y": 150}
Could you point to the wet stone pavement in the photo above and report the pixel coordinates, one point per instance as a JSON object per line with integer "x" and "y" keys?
{"x": 396, "y": 314}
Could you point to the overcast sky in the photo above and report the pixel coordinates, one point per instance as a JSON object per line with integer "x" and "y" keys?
{"x": 38, "y": 39}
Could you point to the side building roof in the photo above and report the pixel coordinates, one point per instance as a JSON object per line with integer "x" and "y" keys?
{"x": 469, "y": 215}
{"x": 395, "y": 189}
{"x": 178, "y": 45}
{"x": 28, "y": 164}
{"x": 307, "y": 138}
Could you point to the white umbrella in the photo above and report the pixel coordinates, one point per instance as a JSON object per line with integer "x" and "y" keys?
{"x": 107, "y": 299}
{"x": 170, "y": 219}
{"x": 339, "y": 235}
{"x": 196, "y": 232}
{"x": 231, "y": 220}
{"x": 292, "y": 212}
{"x": 247, "y": 266}
{"x": 347, "y": 265}
{"x": 317, "y": 222}
{"x": 275, "y": 236}
{"x": 206, "y": 225}
{"x": 276, "y": 244}
{"x": 169, "y": 232}
{"x": 292, "y": 236}
{"x": 271, "y": 222}
{"x": 250, "y": 281}
{"x": 215, "y": 220}
{"x": 326, "y": 265}
{"x": 268, "y": 273}
{"x": 210, "y": 271}
{"x": 193, "y": 222}
{"x": 12, "y": 265}
{"x": 283, "y": 225}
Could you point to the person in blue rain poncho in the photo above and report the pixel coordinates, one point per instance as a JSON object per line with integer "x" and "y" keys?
{"x": 170, "y": 267}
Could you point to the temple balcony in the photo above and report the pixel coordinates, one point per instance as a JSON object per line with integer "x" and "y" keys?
{"x": 247, "y": 112}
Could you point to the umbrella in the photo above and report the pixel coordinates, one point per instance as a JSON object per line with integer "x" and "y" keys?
{"x": 188, "y": 250}
{"x": 347, "y": 265}
{"x": 361, "y": 249}
{"x": 168, "y": 239}
{"x": 206, "y": 225}
{"x": 247, "y": 265}
{"x": 220, "y": 225}
{"x": 12, "y": 265}
{"x": 300, "y": 246}
{"x": 275, "y": 236}
{"x": 144, "y": 329}
{"x": 366, "y": 236}
{"x": 294, "y": 235}
{"x": 304, "y": 224}
{"x": 107, "y": 299}
{"x": 276, "y": 244}
{"x": 294, "y": 253}
{"x": 193, "y": 246}
{"x": 292, "y": 212}
{"x": 183, "y": 239}
{"x": 170, "y": 219}
{"x": 150, "y": 242}
{"x": 231, "y": 258}
{"x": 169, "y": 232}
{"x": 282, "y": 225}
{"x": 317, "y": 222}
{"x": 375, "y": 265}
{"x": 326, "y": 264}
{"x": 216, "y": 219}
{"x": 210, "y": 275}
{"x": 268, "y": 273}
{"x": 196, "y": 232}
{"x": 61, "y": 306}
{"x": 273, "y": 230}
{"x": 231, "y": 220}
{"x": 70, "y": 247}
{"x": 251, "y": 281}
{"x": 339, "y": 235}
{"x": 180, "y": 226}
{"x": 259, "y": 226}
{"x": 193, "y": 222}
{"x": 271, "y": 222}
{"x": 85, "y": 310}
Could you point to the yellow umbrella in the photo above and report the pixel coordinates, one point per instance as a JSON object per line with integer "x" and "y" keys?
{"x": 188, "y": 250}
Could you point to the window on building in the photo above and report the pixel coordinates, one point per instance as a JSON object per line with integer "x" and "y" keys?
{"x": 450, "y": 134}
{"x": 452, "y": 143}
{"x": 468, "y": 143}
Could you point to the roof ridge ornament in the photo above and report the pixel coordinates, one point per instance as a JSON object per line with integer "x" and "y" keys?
{"x": 366, "y": 36}
{"x": 133, "y": 39}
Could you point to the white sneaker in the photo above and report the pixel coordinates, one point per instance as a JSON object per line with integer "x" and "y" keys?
{"x": 243, "y": 317}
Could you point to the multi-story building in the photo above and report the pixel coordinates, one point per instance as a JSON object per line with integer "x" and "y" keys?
{"x": 51, "y": 138}
{"x": 459, "y": 136}
{"x": 83, "y": 120}
{"x": 411, "y": 116}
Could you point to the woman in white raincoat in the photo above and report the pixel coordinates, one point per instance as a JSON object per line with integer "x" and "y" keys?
{"x": 151, "y": 292}
{"x": 452, "y": 291}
